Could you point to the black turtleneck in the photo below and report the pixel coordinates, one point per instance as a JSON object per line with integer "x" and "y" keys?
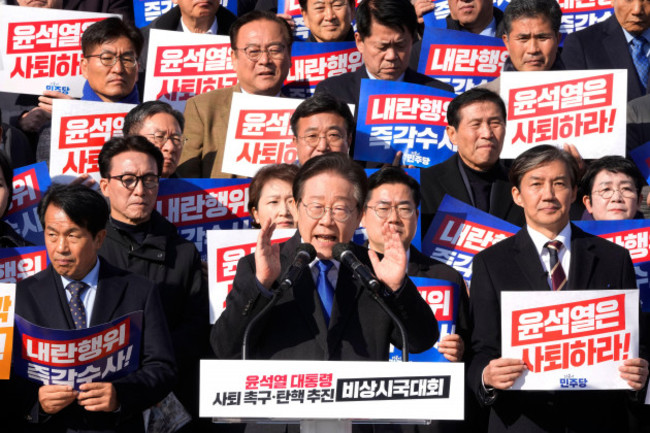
{"x": 481, "y": 183}
{"x": 136, "y": 232}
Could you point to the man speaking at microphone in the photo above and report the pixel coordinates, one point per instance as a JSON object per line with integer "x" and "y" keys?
{"x": 327, "y": 314}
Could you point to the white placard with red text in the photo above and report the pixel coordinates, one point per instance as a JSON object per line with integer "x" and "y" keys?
{"x": 7, "y": 308}
{"x": 584, "y": 108}
{"x": 79, "y": 130}
{"x": 181, "y": 65}
{"x": 320, "y": 390}
{"x": 225, "y": 248}
{"x": 41, "y": 49}
{"x": 259, "y": 133}
{"x": 570, "y": 340}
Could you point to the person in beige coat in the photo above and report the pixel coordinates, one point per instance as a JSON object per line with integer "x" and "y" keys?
{"x": 261, "y": 57}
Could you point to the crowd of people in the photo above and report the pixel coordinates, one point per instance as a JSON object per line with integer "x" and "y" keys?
{"x": 113, "y": 253}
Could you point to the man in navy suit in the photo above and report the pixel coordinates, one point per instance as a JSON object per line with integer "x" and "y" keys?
{"x": 547, "y": 254}
{"x": 611, "y": 44}
{"x": 73, "y": 218}
{"x": 385, "y": 33}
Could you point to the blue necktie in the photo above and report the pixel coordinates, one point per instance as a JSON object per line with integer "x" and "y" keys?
{"x": 640, "y": 59}
{"x": 325, "y": 289}
{"x": 76, "y": 288}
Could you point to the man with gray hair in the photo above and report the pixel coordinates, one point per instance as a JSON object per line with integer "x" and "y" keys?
{"x": 548, "y": 254}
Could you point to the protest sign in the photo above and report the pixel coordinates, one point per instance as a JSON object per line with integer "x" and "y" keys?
{"x": 632, "y": 235}
{"x": 195, "y": 206}
{"x": 402, "y": 117}
{"x": 462, "y": 59}
{"x": 313, "y": 62}
{"x": 259, "y": 133}
{"x": 29, "y": 183}
{"x": 641, "y": 157}
{"x": 42, "y": 49}
{"x": 145, "y": 11}
{"x": 292, "y": 7}
{"x": 225, "y": 248}
{"x": 99, "y": 353}
{"x": 583, "y": 108}
{"x": 79, "y": 130}
{"x": 580, "y": 14}
{"x": 570, "y": 340}
{"x": 460, "y": 231}
{"x": 576, "y": 14}
{"x": 7, "y": 308}
{"x": 442, "y": 296}
{"x": 181, "y": 65}
{"x": 16, "y": 264}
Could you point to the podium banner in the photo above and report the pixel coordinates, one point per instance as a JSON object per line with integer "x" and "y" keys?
{"x": 356, "y": 390}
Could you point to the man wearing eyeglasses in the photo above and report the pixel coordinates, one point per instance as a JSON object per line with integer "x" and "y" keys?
{"x": 142, "y": 241}
{"x": 159, "y": 123}
{"x": 327, "y": 315}
{"x": 321, "y": 124}
{"x": 261, "y": 56}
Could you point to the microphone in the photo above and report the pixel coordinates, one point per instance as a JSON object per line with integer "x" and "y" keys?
{"x": 305, "y": 254}
{"x": 344, "y": 254}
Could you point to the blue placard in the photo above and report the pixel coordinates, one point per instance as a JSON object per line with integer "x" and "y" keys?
{"x": 313, "y": 62}
{"x": 146, "y": 11}
{"x": 462, "y": 59}
{"x": 197, "y": 205}
{"x": 641, "y": 157}
{"x": 443, "y": 297}
{"x": 16, "y": 264}
{"x": 30, "y": 183}
{"x": 633, "y": 235}
{"x": 101, "y": 353}
{"x": 398, "y": 116}
{"x": 459, "y": 231}
{"x": 292, "y": 7}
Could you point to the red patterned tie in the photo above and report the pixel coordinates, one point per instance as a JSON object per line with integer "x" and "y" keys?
{"x": 558, "y": 277}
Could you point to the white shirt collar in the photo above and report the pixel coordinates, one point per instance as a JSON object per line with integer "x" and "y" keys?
{"x": 540, "y": 240}
{"x": 91, "y": 277}
{"x": 211, "y": 31}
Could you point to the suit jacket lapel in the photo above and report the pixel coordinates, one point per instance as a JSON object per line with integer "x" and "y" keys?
{"x": 453, "y": 182}
{"x": 107, "y": 299}
{"x": 526, "y": 257}
{"x": 305, "y": 294}
{"x": 501, "y": 199}
{"x": 583, "y": 260}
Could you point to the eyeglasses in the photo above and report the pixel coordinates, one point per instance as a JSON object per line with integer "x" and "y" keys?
{"x": 109, "y": 60}
{"x": 333, "y": 139}
{"x": 317, "y": 211}
{"x": 253, "y": 52}
{"x": 130, "y": 181}
{"x": 383, "y": 211}
{"x": 626, "y": 192}
{"x": 160, "y": 139}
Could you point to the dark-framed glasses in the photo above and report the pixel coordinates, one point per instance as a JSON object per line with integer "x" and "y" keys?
{"x": 317, "y": 211}
{"x": 626, "y": 192}
{"x": 383, "y": 210}
{"x": 254, "y": 52}
{"x": 130, "y": 181}
{"x": 333, "y": 139}
{"x": 109, "y": 60}
{"x": 160, "y": 138}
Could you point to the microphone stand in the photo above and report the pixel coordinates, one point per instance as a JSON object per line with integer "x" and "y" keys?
{"x": 254, "y": 320}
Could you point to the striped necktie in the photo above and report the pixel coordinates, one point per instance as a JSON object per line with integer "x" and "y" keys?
{"x": 641, "y": 63}
{"x": 558, "y": 277}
